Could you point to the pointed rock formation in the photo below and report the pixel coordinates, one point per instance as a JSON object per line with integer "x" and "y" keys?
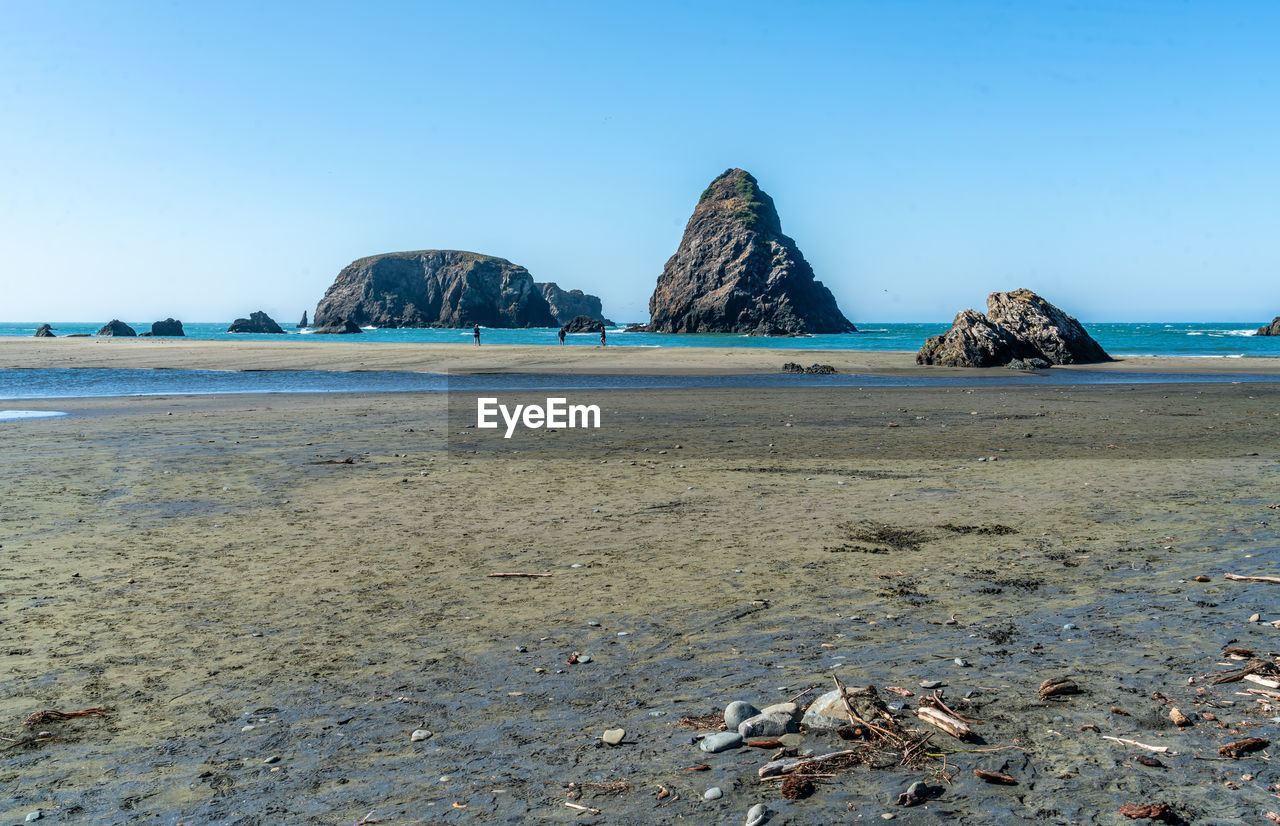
{"x": 566, "y": 305}
{"x": 1272, "y": 329}
{"x": 435, "y": 288}
{"x": 735, "y": 272}
{"x": 116, "y": 327}
{"x": 258, "y": 322}
{"x": 45, "y": 331}
{"x": 1018, "y": 326}
{"x": 303, "y": 322}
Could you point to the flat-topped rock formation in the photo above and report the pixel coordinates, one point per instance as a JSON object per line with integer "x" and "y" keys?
{"x": 1272, "y": 329}
{"x": 170, "y": 327}
{"x": 567, "y": 305}
{"x": 116, "y": 327}
{"x": 1019, "y": 326}
{"x": 735, "y": 272}
{"x": 339, "y": 326}
{"x": 584, "y": 324}
{"x": 435, "y": 288}
{"x": 257, "y": 322}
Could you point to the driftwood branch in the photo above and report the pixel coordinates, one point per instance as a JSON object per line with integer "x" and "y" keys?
{"x": 517, "y": 573}
{"x": 954, "y": 726}
{"x": 1238, "y": 578}
{"x": 787, "y": 765}
{"x": 1156, "y": 749}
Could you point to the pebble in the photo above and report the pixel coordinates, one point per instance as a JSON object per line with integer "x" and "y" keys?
{"x": 419, "y": 735}
{"x": 767, "y": 725}
{"x": 576, "y": 565}
{"x": 1255, "y": 618}
{"x": 271, "y": 759}
{"x": 738, "y": 712}
{"x": 520, "y": 649}
{"x": 791, "y": 741}
{"x": 594, "y": 624}
{"x": 720, "y": 741}
{"x": 713, "y": 793}
{"x": 887, "y": 816}
{"x": 961, "y": 661}
{"x": 613, "y": 736}
{"x": 36, "y": 815}
{"x": 624, "y": 633}
{"x": 1071, "y": 626}
{"x": 758, "y": 813}
{"x": 930, "y": 683}
{"x": 246, "y": 728}
{"x": 584, "y": 658}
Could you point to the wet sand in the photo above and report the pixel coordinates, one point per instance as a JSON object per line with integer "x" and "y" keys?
{"x": 293, "y": 354}
{"x": 186, "y": 562}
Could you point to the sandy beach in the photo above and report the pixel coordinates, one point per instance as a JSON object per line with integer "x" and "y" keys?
{"x": 270, "y": 622}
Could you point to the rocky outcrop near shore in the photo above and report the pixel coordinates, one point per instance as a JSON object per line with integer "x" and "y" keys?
{"x": 567, "y": 305}
{"x": 44, "y": 331}
{"x": 257, "y": 322}
{"x": 435, "y": 288}
{"x": 339, "y": 326}
{"x": 170, "y": 327}
{"x": 584, "y": 324}
{"x": 116, "y": 327}
{"x": 1272, "y": 329}
{"x": 1019, "y": 326}
{"x": 303, "y": 322}
{"x": 735, "y": 272}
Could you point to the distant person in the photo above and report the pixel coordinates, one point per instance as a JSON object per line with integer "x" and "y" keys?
{"x": 475, "y": 334}
{"x": 602, "y": 344}
{"x": 562, "y": 334}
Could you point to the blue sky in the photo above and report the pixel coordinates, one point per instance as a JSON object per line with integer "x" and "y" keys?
{"x": 206, "y": 160}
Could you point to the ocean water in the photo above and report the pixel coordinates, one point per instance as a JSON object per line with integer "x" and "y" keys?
{"x": 1200, "y": 339}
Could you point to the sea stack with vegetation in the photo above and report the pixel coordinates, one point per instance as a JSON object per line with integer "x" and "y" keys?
{"x": 735, "y": 272}
{"x": 1020, "y": 329}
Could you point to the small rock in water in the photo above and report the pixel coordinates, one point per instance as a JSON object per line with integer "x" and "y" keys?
{"x": 419, "y": 735}
{"x": 757, "y": 814}
{"x": 930, "y": 683}
{"x": 737, "y": 712}
{"x": 613, "y": 736}
{"x": 720, "y": 741}
{"x": 713, "y": 793}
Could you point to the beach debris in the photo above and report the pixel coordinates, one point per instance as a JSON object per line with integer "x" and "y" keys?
{"x": 613, "y": 736}
{"x": 1127, "y": 742}
{"x": 757, "y": 815}
{"x": 765, "y": 743}
{"x": 368, "y": 820}
{"x": 578, "y": 659}
{"x": 1149, "y": 761}
{"x": 707, "y": 721}
{"x": 934, "y": 712}
{"x": 1239, "y": 578}
{"x": 1119, "y": 711}
{"x": 1179, "y": 719}
{"x": 701, "y": 767}
{"x": 517, "y": 573}
{"x": 1149, "y": 811}
{"x": 999, "y": 778}
{"x": 350, "y": 460}
{"x": 899, "y": 690}
{"x": 571, "y": 806}
{"x": 790, "y": 765}
{"x": 1238, "y": 748}
{"x": 50, "y": 715}
{"x": 1255, "y": 667}
{"x": 1233, "y": 653}
{"x": 1201, "y": 578}
{"x": 916, "y": 793}
{"x": 1057, "y": 687}
{"x": 1262, "y": 681}
{"x": 797, "y": 786}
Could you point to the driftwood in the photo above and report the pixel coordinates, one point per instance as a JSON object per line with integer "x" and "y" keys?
{"x": 1058, "y": 686}
{"x": 787, "y": 765}
{"x": 1238, "y": 578}
{"x": 1254, "y": 667}
{"x": 517, "y": 573}
{"x": 1127, "y": 742}
{"x": 50, "y": 715}
{"x": 951, "y": 725}
{"x": 1264, "y": 692}
{"x": 994, "y": 777}
{"x": 1262, "y": 681}
{"x": 1238, "y": 748}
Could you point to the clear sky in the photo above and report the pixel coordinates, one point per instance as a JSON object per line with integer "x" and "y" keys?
{"x": 203, "y": 160}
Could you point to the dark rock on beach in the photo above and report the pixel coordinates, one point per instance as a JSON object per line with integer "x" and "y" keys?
{"x": 169, "y": 327}
{"x": 584, "y": 324}
{"x": 1019, "y": 325}
{"x": 735, "y": 272}
{"x": 812, "y": 369}
{"x": 435, "y": 288}
{"x": 257, "y": 322}
{"x": 567, "y": 305}
{"x": 44, "y": 331}
{"x": 1272, "y": 329}
{"x": 339, "y": 326}
{"x": 116, "y": 327}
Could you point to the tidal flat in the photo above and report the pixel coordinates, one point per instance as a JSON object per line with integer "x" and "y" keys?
{"x": 269, "y": 623}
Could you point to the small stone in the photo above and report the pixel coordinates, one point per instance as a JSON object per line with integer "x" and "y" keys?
{"x": 1071, "y": 626}
{"x": 576, "y": 565}
{"x": 520, "y": 649}
{"x": 713, "y": 793}
{"x": 36, "y": 815}
{"x": 1255, "y": 618}
{"x": 584, "y": 658}
{"x": 737, "y": 712}
{"x": 887, "y": 816}
{"x": 594, "y": 624}
{"x": 767, "y": 725}
{"x": 782, "y": 708}
{"x": 419, "y": 735}
{"x": 272, "y": 759}
{"x": 791, "y": 741}
{"x": 720, "y": 741}
{"x": 930, "y": 683}
{"x": 248, "y": 728}
{"x": 758, "y": 813}
{"x": 961, "y": 661}
{"x": 624, "y": 633}
{"x": 613, "y": 736}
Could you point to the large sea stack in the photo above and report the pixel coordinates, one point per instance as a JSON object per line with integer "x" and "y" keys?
{"x": 257, "y": 322}
{"x": 735, "y": 272}
{"x": 1019, "y": 328}
{"x": 566, "y": 305}
{"x": 116, "y": 327}
{"x": 434, "y": 288}
{"x": 1272, "y": 329}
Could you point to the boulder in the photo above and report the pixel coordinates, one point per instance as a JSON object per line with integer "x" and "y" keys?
{"x": 168, "y": 327}
{"x": 1272, "y": 329}
{"x": 567, "y": 305}
{"x": 116, "y": 327}
{"x": 812, "y": 369}
{"x": 339, "y": 326}
{"x": 584, "y": 324}
{"x": 735, "y": 272}
{"x": 257, "y": 322}
{"x": 434, "y": 288}
{"x": 303, "y": 322}
{"x": 44, "y": 331}
{"x": 1019, "y": 326}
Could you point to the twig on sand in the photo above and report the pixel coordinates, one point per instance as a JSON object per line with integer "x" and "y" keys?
{"x": 51, "y": 714}
{"x": 368, "y": 819}
{"x": 582, "y": 808}
{"x": 801, "y": 694}
{"x": 517, "y": 573}
{"x": 1127, "y": 742}
{"x": 1238, "y": 578}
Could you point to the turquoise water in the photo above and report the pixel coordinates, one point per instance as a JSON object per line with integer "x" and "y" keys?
{"x": 1204, "y": 339}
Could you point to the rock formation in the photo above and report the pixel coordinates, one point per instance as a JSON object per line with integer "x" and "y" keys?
{"x": 568, "y": 305}
{"x": 735, "y": 272}
{"x": 168, "y": 327}
{"x": 258, "y": 322}
{"x": 116, "y": 327}
{"x": 44, "y": 331}
{"x": 814, "y": 369}
{"x": 584, "y": 324}
{"x": 1019, "y": 325}
{"x": 339, "y": 326}
{"x": 1272, "y": 329}
{"x": 303, "y": 322}
{"x": 435, "y": 288}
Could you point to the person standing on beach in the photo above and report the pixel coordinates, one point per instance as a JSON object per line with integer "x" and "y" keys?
{"x": 602, "y": 344}
{"x": 476, "y": 335}
{"x": 562, "y": 335}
